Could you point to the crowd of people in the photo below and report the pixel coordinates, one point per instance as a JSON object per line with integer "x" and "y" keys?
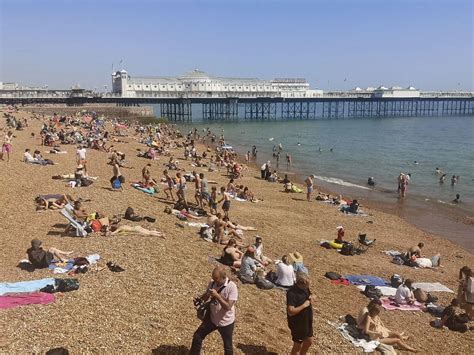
{"x": 214, "y": 205}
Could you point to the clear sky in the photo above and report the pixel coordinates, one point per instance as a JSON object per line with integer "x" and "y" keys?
{"x": 334, "y": 44}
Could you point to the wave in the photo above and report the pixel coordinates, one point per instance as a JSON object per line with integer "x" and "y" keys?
{"x": 337, "y": 181}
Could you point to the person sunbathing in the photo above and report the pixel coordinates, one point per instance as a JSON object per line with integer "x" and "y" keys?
{"x": 41, "y": 258}
{"x": 183, "y": 214}
{"x": 231, "y": 256}
{"x": 127, "y": 229}
{"x": 51, "y": 201}
{"x": 376, "y": 330}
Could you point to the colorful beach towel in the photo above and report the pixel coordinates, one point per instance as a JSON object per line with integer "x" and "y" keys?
{"x": 149, "y": 190}
{"x": 389, "y": 305}
{"x": 366, "y": 280}
{"x": 62, "y": 268}
{"x": 24, "y": 299}
{"x": 432, "y": 287}
{"x": 24, "y": 286}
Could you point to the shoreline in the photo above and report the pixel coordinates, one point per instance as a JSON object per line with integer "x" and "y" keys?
{"x": 416, "y": 210}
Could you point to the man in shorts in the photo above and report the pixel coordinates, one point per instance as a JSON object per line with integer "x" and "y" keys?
{"x": 300, "y": 314}
{"x": 309, "y": 187}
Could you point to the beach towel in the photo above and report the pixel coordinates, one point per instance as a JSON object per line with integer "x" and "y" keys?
{"x": 432, "y": 287}
{"x": 389, "y": 305}
{"x": 23, "y": 299}
{"x": 349, "y": 333}
{"x": 366, "y": 280}
{"x": 342, "y": 282}
{"x": 24, "y": 286}
{"x": 62, "y": 267}
{"x": 194, "y": 224}
{"x": 386, "y": 290}
{"x": 149, "y": 190}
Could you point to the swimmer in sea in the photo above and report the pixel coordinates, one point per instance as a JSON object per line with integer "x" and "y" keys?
{"x": 415, "y": 162}
{"x": 442, "y": 179}
{"x": 438, "y": 171}
{"x": 298, "y": 144}
{"x": 454, "y": 180}
{"x": 458, "y": 197}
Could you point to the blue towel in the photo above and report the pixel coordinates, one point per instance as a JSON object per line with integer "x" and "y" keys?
{"x": 365, "y": 280}
{"x": 24, "y": 286}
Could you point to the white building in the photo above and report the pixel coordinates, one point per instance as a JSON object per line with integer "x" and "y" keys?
{"x": 396, "y": 92}
{"x": 196, "y": 84}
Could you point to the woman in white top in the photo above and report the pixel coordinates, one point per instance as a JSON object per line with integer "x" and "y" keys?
{"x": 285, "y": 273}
{"x": 466, "y": 291}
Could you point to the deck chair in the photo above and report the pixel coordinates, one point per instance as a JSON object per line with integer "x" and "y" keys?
{"x": 79, "y": 227}
{"x": 363, "y": 244}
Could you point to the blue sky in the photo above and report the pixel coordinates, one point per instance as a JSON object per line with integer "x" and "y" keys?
{"x": 333, "y": 44}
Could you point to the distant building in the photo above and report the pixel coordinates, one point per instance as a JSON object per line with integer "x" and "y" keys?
{"x": 396, "y": 92}
{"x": 196, "y": 83}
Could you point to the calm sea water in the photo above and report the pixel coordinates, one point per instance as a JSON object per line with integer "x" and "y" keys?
{"x": 381, "y": 148}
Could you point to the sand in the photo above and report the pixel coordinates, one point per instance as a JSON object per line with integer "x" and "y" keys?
{"x": 149, "y": 306}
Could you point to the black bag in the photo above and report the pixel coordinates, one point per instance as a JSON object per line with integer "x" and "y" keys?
{"x": 66, "y": 285}
{"x": 203, "y": 309}
{"x": 348, "y": 249}
{"x": 372, "y": 292}
{"x": 332, "y": 275}
{"x": 263, "y": 283}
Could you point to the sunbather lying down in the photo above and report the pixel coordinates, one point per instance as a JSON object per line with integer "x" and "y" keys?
{"x": 126, "y": 229}
{"x": 51, "y": 201}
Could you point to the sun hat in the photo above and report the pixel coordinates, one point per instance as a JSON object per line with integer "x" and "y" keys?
{"x": 36, "y": 243}
{"x": 339, "y": 227}
{"x": 297, "y": 257}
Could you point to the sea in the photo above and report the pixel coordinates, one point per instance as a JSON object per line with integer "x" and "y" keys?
{"x": 344, "y": 153}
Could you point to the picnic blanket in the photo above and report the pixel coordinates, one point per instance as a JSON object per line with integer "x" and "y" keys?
{"x": 366, "y": 280}
{"x": 23, "y": 299}
{"x": 389, "y": 305}
{"x": 432, "y": 287}
{"x": 62, "y": 268}
{"x": 349, "y": 333}
{"x": 147, "y": 190}
{"x": 386, "y": 290}
{"x": 24, "y": 286}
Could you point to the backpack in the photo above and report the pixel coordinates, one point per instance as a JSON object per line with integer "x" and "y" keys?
{"x": 396, "y": 280}
{"x": 116, "y": 184}
{"x": 372, "y": 292}
{"x": 66, "y": 285}
{"x": 263, "y": 283}
{"x": 348, "y": 249}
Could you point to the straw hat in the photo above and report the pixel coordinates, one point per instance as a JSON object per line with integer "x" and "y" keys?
{"x": 297, "y": 257}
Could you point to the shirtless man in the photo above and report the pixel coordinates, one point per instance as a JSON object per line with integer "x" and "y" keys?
{"x": 181, "y": 182}
{"x": 415, "y": 251}
{"x": 170, "y": 183}
{"x": 197, "y": 185}
{"x": 309, "y": 187}
{"x": 219, "y": 227}
{"x": 226, "y": 199}
{"x": 146, "y": 174}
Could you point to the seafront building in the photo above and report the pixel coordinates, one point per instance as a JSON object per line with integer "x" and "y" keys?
{"x": 197, "y": 84}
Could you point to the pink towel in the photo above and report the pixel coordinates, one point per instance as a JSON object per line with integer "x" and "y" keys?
{"x": 390, "y": 305}
{"x": 23, "y": 299}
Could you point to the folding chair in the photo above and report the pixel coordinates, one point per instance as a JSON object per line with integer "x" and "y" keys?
{"x": 80, "y": 229}
{"x": 363, "y": 243}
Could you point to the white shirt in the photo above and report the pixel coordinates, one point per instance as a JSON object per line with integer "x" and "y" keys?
{"x": 285, "y": 274}
{"x": 403, "y": 292}
{"x": 28, "y": 157}
{"x": 81, "y": 153}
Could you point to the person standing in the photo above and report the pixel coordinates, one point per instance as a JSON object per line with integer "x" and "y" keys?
{"x": 146, "y": 174}
{"x": 288, "y": 160}
{"x": 81, "y": 157}
{"x": 221, "y": 316}
{"x": 309, "y": 187}
{"x": 197, "y": 185}
{"x": 7, "y": 146}
{"x": 181, "y": 193}
{"x": 300, "y": 314}
{"x": 170, "y": 184}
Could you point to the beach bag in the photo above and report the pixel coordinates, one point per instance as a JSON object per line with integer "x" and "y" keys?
{"x": 348, "y": 249}
{"x": 203, "y": 309}
{"x": 96, "y": 226}
{"x": 263, "y": 283}
{"x": 372, "y": 292}
{"x": 66, "y": 285}
{"x": 396, "y": 280}
{"x": 332, "y": 275}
